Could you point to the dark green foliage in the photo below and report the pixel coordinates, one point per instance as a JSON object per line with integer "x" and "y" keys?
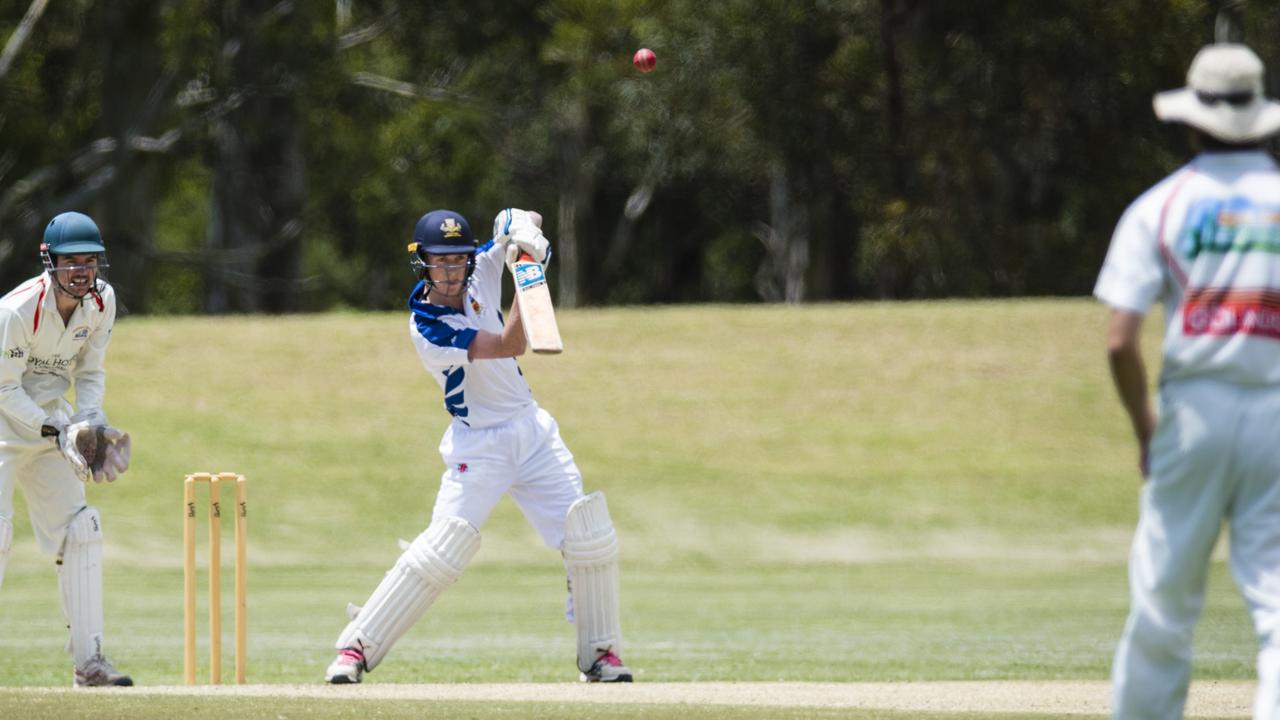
{"x": 259, "y": 156}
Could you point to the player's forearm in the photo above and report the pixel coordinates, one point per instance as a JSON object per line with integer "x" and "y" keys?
{"x": 1130, "y": 377}
{"x": 513, "y": 330}
{"x": 23, "y": 413}
{"x": 506, "y": 344}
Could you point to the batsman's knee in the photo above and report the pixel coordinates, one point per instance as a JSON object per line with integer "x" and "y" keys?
{"x": 442, "y": 551}
{"x": 590, "y": 537}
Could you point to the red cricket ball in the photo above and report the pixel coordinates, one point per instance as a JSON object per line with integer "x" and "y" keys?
{"x": 644, "y": 60}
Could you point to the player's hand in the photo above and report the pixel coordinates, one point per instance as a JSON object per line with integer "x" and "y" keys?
{"x": 114, "y": 456}
{"x": 95, "y": 452}
{"x": 70, "y": 439}
{"x": 508, "y": 221}
{"x": 522, "y": 228}
{"x": 531, "y": 240}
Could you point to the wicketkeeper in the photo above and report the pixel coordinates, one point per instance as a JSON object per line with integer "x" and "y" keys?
{"x": 499, "y": 443}
{"x": 54, "y": 331}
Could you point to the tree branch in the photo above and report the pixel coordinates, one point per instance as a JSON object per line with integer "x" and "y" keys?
{"x": 19, "y": 36}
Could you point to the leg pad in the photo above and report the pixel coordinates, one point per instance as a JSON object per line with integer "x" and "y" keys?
{"x": 591, "y": 557}
{"x": 432, "y": 562}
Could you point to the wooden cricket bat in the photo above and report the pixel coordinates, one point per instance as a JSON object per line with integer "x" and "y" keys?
{"x": 536, "y": 311}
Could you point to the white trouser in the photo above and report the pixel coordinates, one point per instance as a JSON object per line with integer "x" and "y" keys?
{"x": 524, "y": 458}
{"x": 1214, "y": 457}
{"x": 53, "y": 492}
{"x": 6, "y": 541}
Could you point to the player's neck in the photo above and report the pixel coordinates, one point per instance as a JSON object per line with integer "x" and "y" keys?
{"x": 67, "y": 304}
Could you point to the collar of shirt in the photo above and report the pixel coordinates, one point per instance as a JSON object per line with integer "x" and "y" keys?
{"x": 1242, "y": 160}
{"x": 419, "y": 306}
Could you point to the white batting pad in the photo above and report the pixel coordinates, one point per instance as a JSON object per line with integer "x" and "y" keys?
{"x": 432, "y": 562}
{"x": 80, "y": 580}
{"x": 591, "y": 556}
{"x": 6, "y": 541}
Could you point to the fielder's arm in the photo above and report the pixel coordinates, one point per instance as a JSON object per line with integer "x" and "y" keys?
{"x": 1124, "y": 354}
{"x": 89, "y": 372}
{"x": 15, "y": 404}
{"x": 511, "y": 343}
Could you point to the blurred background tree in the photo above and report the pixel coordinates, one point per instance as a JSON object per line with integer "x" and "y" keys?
{"x": 273, "y": 156}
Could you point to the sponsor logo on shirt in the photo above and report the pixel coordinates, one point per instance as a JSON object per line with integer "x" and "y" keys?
{"x": 15, "y": 353}
{"x": 1236, "y": 224}
{"x": 1231, "y": 312}
{"x": 462, "y": 467}
{"x": 82, "y": 332}
{"x": 47, "y": 365}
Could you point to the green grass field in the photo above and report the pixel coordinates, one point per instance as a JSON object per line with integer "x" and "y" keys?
{"x": 836, "y": 493}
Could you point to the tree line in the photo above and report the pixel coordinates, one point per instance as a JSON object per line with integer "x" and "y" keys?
{"x": 273, "y": 155}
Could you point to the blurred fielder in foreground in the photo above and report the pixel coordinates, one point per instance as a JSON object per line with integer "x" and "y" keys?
{"x": 54, "y": 331}
{"x": 1206, "y": 242}
{"x": 499, "y": 443}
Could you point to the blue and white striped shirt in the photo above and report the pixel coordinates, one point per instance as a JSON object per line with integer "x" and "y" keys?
{"x": 481, "y": 393}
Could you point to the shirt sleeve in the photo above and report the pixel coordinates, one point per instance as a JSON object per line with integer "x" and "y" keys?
{"x": 90, "y": 372}
{"x": 442, "y": 342}
{"x": 23, "y": 413}
{"x": 1133, "y": 274}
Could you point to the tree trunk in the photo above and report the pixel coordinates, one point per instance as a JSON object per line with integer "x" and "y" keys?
{"x": 258, "y": 188}
{"x": 781, "y": 278}
{"x": 131, "y": 102}
{"x": 577, "y": 184}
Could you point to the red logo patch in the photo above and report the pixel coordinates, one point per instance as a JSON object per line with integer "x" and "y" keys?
{"x": 462, "y": 467}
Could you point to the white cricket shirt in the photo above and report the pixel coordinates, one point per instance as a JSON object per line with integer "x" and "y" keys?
{"x": 481, "y": 393}
{"x": 40, "y": 357}
{"x": 1206, "y": 242}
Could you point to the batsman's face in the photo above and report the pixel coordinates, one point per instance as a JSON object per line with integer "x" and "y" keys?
{"x": 448, "y": 272}
{"x": 77, "y": 273}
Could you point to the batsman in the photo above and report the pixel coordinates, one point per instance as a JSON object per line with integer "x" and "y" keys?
{"x": 499, "y": 442}
{"x": 54, "y": 331}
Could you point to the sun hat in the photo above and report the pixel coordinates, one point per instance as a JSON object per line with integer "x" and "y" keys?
{"x": 1224, "y": 96}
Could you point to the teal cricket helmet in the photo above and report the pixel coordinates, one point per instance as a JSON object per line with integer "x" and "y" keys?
{"x": 72, "y": 233}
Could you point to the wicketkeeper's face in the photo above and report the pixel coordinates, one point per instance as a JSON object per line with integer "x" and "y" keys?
{"x": 76, "y": 273}
{"x": 448, "y": 272}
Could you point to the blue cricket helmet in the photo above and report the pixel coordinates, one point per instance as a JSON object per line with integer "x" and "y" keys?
{"x": 443, "y": 232}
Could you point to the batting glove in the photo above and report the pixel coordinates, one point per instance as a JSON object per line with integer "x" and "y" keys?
{"x": 508, "y": 221}
{"x": 531, "y": 240}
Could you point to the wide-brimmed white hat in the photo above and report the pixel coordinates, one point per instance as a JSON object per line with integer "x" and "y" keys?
{"x": 1224, "y": 96}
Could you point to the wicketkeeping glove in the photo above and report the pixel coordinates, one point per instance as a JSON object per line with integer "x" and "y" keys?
{"x": 69, "y": 447}
{"x": 100, "y": 452}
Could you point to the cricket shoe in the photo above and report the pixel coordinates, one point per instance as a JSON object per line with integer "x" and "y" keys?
{"x": 99, "y": 672}
{"x": 347, "y": 668}
{"x": 607, "y": 668}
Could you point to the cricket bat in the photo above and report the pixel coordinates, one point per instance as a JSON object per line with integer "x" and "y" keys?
{"x": 536, "y": 312}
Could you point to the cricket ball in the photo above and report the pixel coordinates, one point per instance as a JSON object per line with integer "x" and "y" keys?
{"x": 644, "y": 60}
